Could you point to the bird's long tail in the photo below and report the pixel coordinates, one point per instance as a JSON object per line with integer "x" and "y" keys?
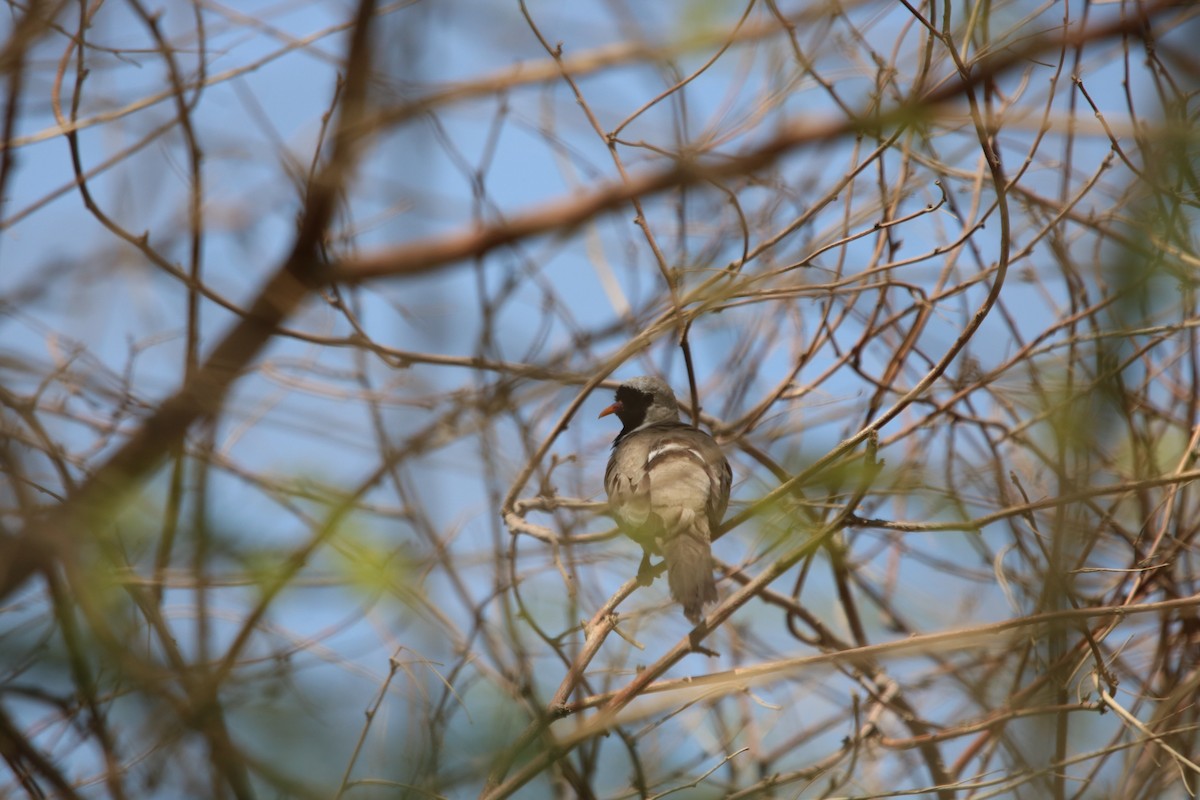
{"x": 689, "y": 568}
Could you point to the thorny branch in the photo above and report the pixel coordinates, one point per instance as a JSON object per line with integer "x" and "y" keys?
{"x": 927, "y": 272}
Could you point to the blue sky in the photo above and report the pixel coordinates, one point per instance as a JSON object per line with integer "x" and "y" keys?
{"x": 77, "y": 298}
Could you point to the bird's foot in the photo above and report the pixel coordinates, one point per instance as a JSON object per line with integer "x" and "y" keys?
{"x": 696, "y": 647}
{"x": 645, "y": 573}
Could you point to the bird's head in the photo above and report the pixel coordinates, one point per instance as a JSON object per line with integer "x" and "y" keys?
{"x": 641, "y": 402}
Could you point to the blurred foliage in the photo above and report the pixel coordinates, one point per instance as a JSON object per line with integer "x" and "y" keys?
{"x": 308, "y": 311}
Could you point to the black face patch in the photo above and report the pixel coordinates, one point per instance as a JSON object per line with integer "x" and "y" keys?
{"x": 634, "y": 403}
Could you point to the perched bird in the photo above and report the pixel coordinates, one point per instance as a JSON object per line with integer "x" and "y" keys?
{"x": 668, "y": 486}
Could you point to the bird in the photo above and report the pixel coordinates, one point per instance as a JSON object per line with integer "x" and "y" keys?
{"x": 668, "y": 487}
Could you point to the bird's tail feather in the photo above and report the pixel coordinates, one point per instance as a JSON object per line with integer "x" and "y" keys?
{"x": 689, "y": 568}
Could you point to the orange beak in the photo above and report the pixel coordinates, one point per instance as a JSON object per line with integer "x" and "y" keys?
{"x": 613, "y": 409}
